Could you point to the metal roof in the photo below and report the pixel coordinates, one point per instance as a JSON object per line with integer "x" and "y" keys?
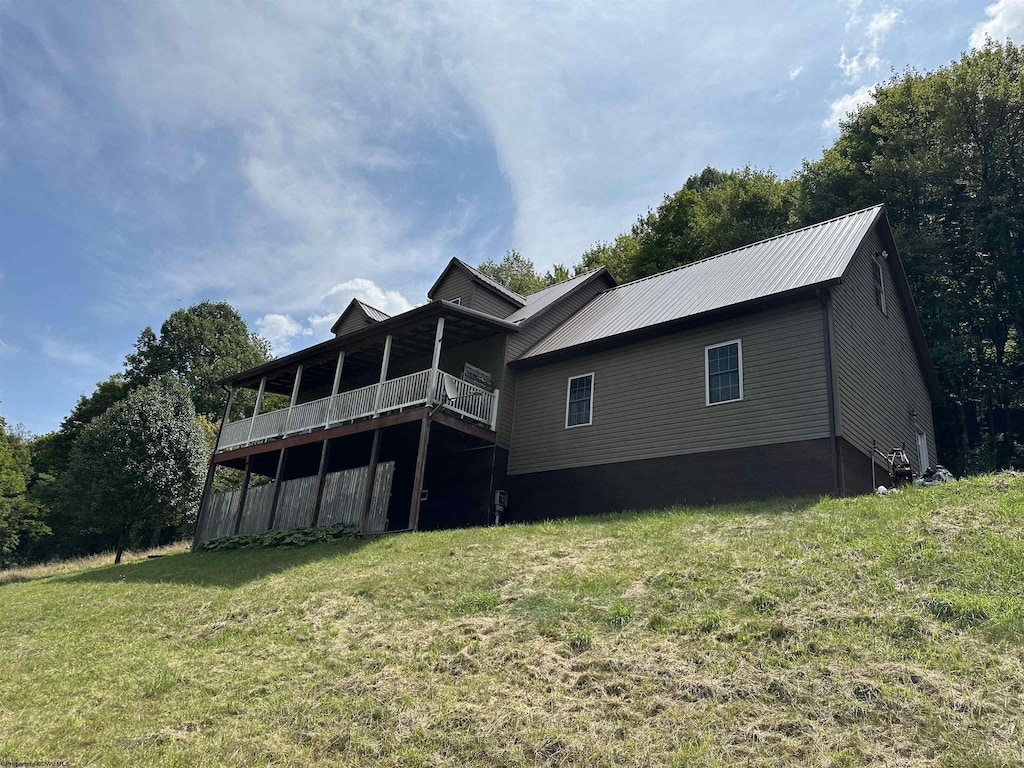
{"x": 540, "y": 300}
{"x": 805, "y": 257}
{"x": 372, "y": 312}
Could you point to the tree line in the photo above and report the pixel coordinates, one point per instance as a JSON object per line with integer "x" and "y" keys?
{"x": 127, "y": 465}
{"x": 944, "y": 151}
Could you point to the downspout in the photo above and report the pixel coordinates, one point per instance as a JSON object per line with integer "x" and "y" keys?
{"x": 825, "y": 296}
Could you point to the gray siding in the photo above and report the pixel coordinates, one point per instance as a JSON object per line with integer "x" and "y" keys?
{"x": 649, "y": 397}
{"x": 355, "y": 321}
{"x": 457, "y": 285}
{"x": 486, "y": 300}
{"x": 531, "y": 332}
{"x": 878, "y": 375}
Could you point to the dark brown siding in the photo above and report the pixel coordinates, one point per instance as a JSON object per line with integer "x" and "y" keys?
{"x": 878, "y": 375}
{"x": 491, "y": 302}
{"x": 355, "y": 321}
{"x": 786, "y": 469}
{"x": 457, "y": 285}
{"x": 649, "y": 397}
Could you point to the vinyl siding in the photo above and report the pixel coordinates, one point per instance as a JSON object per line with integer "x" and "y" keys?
{"x": 531, "y": 332}
{"x": 649, "y": 397}
{"x": 878, "y": 375}
{"x": 457, "y": 284}
{"x": 354, "y": 322}
{"x": 486, "y": 300}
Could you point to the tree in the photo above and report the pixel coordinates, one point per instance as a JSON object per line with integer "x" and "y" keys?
{"x": 945, "y": 151}
{"x": 517, "y": 273}
{"x": 198, "y": 346}
{"x": 138, "y": 465}
{"x": 19, "y": 514}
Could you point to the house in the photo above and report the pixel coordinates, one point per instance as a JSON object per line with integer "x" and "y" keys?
{"x": 772, "y": 369}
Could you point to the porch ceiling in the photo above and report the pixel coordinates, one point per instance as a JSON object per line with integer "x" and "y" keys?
{"x": 364, "y": 349}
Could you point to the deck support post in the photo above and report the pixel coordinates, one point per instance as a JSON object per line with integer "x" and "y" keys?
{"x": 337, "y": 373}
{"x": 256, "y": 409}
{"x": 241, "y": 496}
{"x": 494, "y": 412}
{"x": 204, "y": 499}
{"x": 383, "y": 375}
{"x": 371, "y": 480}
{"x": 435, "y": 362}
{"x": 227, "y": 408}
{"x": 417, "y": 483}
{"x": 325, "y": 455}
{"x": 278, "y": 478}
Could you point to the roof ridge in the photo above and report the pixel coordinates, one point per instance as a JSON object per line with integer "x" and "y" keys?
{"x": 748, "y": 245}
{"x": 369, "y": 306}
{"x": 563, "y": 282}
{"x": 490, "y": 280}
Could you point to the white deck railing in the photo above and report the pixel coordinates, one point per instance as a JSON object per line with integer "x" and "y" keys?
{"x": 451, "y": 393}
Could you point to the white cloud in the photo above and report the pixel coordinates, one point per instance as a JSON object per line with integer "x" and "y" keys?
{"x": 68, "y": 352}
{"x": 847, "y": 103}
{"x": 389, "y": 302}
{"x": 280, "y": 330}
{"x": 1005, "y": 19}
{"x": 867, "y": 60}
{"x": 795, "y": 72}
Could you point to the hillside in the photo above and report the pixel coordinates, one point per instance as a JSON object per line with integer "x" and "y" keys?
{"x": 798, "y": 632}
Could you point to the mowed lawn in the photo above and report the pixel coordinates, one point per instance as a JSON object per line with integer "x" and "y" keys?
{"x": 871, "y": 631}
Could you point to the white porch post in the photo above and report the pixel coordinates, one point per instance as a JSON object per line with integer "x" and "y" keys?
{"x": 494, "y": 411}
{"x": 259, "y": 404}
{"x": 383, "y": 375}
{"x": 432, "y": 379}
{"x": 335, "y": 386}
{"x": 227, "y": 408}
{"x": 295, "y": 396}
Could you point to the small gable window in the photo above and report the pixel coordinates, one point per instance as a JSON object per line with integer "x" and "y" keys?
{"x": 579, "y": 403}
{"x": 457, "y": 300}
{"x": 723, "y": 372}
{"x": 879, "y": 285}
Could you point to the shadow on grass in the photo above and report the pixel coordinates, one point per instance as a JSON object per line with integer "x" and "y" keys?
{"x": 218, "y": 569}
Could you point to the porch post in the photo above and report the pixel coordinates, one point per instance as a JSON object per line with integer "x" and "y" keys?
{"x": 242, "y": 495}
{"x": 295, "y": 396}
{"x": 417, "y": 483}
{"x": 259, "y": 404}
{"x": 371, "y": 480}
{"x": 432, "y": 380}
{"x": 325, "y": 454}
{"x": 494, "y": 412}
{"x": 335, "y": 387}
{"x": 227, "y": 408}
{"x": 383, "y": 375}
{"x": 278, "y": 476}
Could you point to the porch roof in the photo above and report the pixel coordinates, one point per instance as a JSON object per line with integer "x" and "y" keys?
{"x": 412, "y": 334}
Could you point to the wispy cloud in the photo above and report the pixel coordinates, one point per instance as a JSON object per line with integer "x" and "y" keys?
{"x": 795, "y": 72}
{"x": 71, "y": 353}
{"x": 1005, "y": 19}
{"x": 846, "y": 104}
{"x": 867, "y": 60}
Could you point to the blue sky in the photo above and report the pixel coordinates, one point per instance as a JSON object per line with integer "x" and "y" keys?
{"x": 288, "y": 156}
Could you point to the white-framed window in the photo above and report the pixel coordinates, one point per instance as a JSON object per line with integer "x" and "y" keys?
{"x": 876, "y": 273}
{"x": 723, "y": 372}
{"x": 457, "y": 300}
{"x": 579, "y": 401}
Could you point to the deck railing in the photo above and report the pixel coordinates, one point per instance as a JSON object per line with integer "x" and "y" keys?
{"x": 451, "y": 394}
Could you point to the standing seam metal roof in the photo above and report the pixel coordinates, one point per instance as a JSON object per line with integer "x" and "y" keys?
{"x": 540, "y": 300}
{"x": 799, "y": 259}
{"x": 372, "y": 312}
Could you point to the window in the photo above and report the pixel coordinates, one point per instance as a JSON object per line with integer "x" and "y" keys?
{"x": 879, "y": 286}
{"x": 579, "y": 402}
{"x": 457, "y": 300}
{"x": 723, "y": 372}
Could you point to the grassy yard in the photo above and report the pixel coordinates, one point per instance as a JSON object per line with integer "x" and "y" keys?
{"x": 880, "y": 630}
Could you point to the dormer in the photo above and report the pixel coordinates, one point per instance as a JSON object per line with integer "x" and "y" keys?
{"x": 357, "y": 316}
{"x": 460, "y": 283}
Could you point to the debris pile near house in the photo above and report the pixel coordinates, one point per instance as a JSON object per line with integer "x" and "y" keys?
{"x": 936, "y": 475}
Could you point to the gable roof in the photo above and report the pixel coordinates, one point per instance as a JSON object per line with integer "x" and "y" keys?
{"x": 540, "y": 301}
{"x": 477, "y": 276}
{"x": 787, "y": 263}
{"x": 372, "y": 314}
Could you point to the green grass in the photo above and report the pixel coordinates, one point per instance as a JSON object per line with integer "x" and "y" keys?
{"x": 880, "y": 630}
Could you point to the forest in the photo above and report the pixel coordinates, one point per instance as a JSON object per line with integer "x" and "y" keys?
{"x": 944, "y": 150}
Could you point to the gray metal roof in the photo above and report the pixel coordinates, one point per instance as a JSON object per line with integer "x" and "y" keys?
{"x": 799, "y": 259}
{"x": 372, "y": 312}
{"x": 480, "y": 277}
{"x": 540, "y": 300}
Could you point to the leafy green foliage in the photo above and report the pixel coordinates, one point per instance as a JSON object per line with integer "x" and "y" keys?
{"x": 140, "y": 464}
{"x": 198, "y": 346}
{"x": 19, "y": 513}
{"x": 294, "y": 537}
{"x": 517, "y": 273}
